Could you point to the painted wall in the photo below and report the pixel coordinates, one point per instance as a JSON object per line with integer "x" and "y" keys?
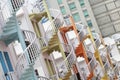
{"x": 24, "y": 20}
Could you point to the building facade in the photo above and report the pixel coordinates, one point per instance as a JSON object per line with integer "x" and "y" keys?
{"x": 103, "y": 16}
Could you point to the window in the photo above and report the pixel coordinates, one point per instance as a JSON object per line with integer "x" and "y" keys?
{"x": 89, "y": 23}
{"x": 76, "y": 17}
{"x": 4, "y": 67}
{"x": 59, "y": 1}
{"x": 85, "y": 13}
{"x": 63, "y": 10}
{"x": 8, "y": 61}
{"x": 81, "y": 3}
{"x": 72, "y": 6}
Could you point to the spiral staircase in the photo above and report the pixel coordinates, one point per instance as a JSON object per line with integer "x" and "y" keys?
{"x": 65, "y": 67}
{"x": 10, "y": 27}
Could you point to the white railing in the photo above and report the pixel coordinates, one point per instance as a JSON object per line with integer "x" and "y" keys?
{"x": 54, "y": 77}
{"x": 43, "y": 78}
{"x": 9, "y": 76}
{"x": 2, "y": 77}
{"x": 54, "y": 24}
{"x": 83, "y": 32}
{"x": 16, "y": 4}
{"x": 92, "y": 63}
{"x": 5, "y": 12}
{"x": 67, "y": 64}
{"x": 38, "y": 6}
{"x": 8, "y": 8}
{"x": 43, "y": 42}
{"x": 107, "y": 66}
{"x": 12, "y": 75}
{"x": 29, "y": 55}
{"x": 76, "y": 40}
{"x": 97, "y": 43}
{"x": 116, "y": 70}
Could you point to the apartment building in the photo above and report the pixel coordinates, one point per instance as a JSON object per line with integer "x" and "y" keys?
{"x": 102, "y": 16}
{"x": 50, "y": 49}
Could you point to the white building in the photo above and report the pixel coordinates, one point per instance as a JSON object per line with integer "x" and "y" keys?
{"x": 101, "y": 15}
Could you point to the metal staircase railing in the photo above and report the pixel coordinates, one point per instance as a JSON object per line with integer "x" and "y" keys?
{"x": 83, "y": 31}
{"x": 54, "y": 24}
{"x": 5, "y": 13}
{"x": 92, "y": 63}
{"x": 43, "y": 78}
{"x": 10, "y": 76}
{"x": 2, "y": 77}
{"x": 43, "y": 42}
{"x": 52, "y": 27}
{"x": 68, "y": 62}
{"x": 29, "y": 55}
{"x": 116, "y": 70}
{"x": 9, "y": 7}
{"x": 106, "y": 69}
{"x": 97, "y": 40}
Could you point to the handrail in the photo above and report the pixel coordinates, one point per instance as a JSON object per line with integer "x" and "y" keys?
{"x": 5, "y": 13}
{"x": 42, "y": 42}
{"x": 36, "y": 7}
{"x": 115, "y": 69}
{"x": 11, "y": 75}
{"x": 2, "y": 77}
{"x": 43, "y": 78}
{"x": 67, "y": 64}
{"x": 76, "y": 39}
{"x": 92, "y": 64}
{"x": 97, "y": 43}
{"x": 28, "y": 55}
{"x": 26, "y": 48}
{"x": 53, "y": 77}
{"x": 53, "y": 26}
{"x": 9, "y": 7}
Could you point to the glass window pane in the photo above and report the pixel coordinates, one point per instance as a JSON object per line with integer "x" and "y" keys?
{"x": 82, "y": 3}
{"x": 85, "y": 13}
{"x": 3, "y": 63}
{"x": 76, "y": 17}
{"x": 63, "y": 10}
{"x": 89, "y": 23}
{"x": 59, "y": 1}
{"x": 72, "y": 6}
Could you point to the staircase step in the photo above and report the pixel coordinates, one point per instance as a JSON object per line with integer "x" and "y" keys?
{"x": 11, "y": 39}
{"x": 29, "y": 78}
{"x": 4, "y": 34}
{"x": 67, "y": 76}
{"x": 9, "y": 25}
{"x": 53, "y": 42}
{"x": 10, "y": 22}
{"x": 12, "y": 18}
{"x": 8, "y": 28}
